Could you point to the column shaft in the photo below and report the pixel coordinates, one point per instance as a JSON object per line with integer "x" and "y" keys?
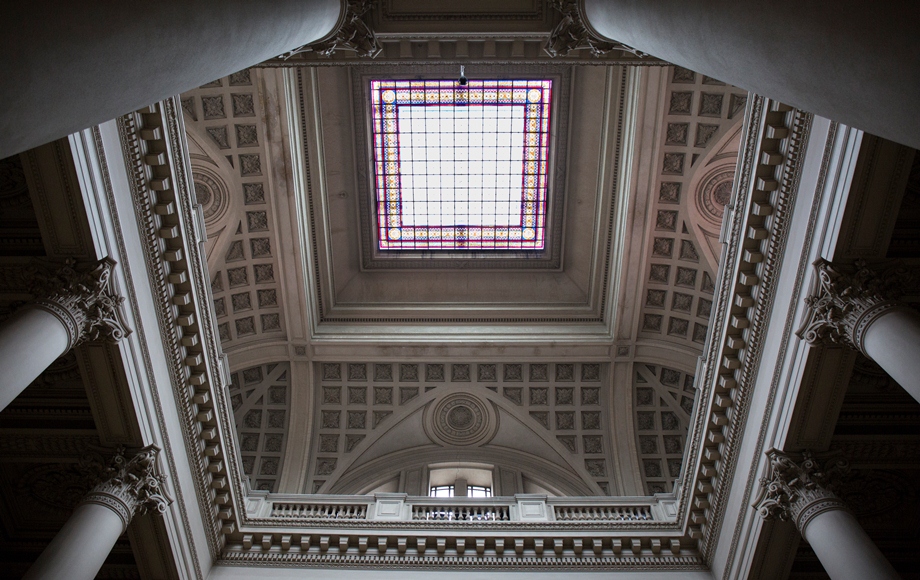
{"x": 842, "y": 61}
{"x": 81, "y": 547}
{"x": 893, "y": 341}
{"x": 845, "y": 551}
{"x": 29, "y": 341}
{"x": 67, "y": 69}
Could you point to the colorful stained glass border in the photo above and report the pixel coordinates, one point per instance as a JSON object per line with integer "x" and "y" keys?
{"x": 388, "y": 97}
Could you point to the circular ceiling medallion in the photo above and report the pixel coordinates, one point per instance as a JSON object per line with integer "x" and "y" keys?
{"x": 714, "y": 193}
{"x": 460, "y": 419}
{"x": 211, "y": 194}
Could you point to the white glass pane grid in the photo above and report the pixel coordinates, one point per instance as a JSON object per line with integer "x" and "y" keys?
{"x": 461, "y": 167}
{"x": 471, "y": 491}
{"x": 442, "y": 491}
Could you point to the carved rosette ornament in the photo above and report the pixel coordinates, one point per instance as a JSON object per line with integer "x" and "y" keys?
{"x": 799, "y": 487}
{"x": 572, "y": 34}
{"x": 354, "y": 34}
{"x": 82, "y": 300}
{"x": 844, "y": 304}
{"x": 127, "y": 485}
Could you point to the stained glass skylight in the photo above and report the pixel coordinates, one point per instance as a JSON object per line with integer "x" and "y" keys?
{"x": 461, "y": 167}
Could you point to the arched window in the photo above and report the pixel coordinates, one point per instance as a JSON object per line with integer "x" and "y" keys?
{"x": 460, "y": 480}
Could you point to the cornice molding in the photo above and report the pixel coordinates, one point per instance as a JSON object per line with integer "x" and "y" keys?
{"x": 766, "y": 185}
{"x": 152, "y": 142}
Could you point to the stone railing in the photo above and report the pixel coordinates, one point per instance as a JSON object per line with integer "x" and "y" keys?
{"x": 395, "y": 507}
{"x": 322, "y": 511}
{"x": 579, "y": 513}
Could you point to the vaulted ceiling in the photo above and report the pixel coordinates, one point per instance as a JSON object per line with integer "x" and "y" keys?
{"x": 587, "y": 354}
{"x": 578, "y": 374}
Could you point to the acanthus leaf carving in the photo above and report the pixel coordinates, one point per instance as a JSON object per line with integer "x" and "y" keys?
{"x": 844, "y": 303}
{"x": 572, "y": 34}
{"x": 354, "y": 34}
{"x": 798, "y": 487}
{"x": 128, "y": 485}
{"x": 83, "y": 300}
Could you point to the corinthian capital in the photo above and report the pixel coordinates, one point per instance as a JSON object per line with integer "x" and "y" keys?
{"x": 354, "y": 35}
{"x": 798, "y": 487}
{"x": 572, "y": 34}
{"x": 82, "y": 300}
{"x": 845, "y": 302}
{"x": 127, "y": 485}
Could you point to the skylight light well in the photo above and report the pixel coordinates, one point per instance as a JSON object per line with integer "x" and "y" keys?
{"x": 461, "y": 167}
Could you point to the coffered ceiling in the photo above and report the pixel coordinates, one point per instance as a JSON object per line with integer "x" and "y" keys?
{"x": 309, "y": 313}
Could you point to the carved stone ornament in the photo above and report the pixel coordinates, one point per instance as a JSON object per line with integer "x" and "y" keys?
{"x": 82, "y": 300}
{"x": 354, "y": 35}
{"x": 572, "y": 34}
{"x": 127, "y": 485}
{"x": 843, "y": 304}
{"x": 460, "y": 419}
{"x": 799, "y": 487}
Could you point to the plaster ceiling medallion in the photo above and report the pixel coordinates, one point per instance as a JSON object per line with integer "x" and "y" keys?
{"x": 714, "y": 193}
{"x": 212, "y": 194}
{"x": 460, "y": 419}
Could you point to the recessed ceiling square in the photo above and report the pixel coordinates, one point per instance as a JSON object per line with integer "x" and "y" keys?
{"x": 461, "y": 167}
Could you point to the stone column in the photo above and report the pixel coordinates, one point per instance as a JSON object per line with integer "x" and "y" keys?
{"x": 861, "y": 309}
{"x": 70, "y": 307}
{"x": 129, "y": 486}
{"x": 65, "y": 69}
{"x": 841, "y": 61}
{"x": 800, "y": 488}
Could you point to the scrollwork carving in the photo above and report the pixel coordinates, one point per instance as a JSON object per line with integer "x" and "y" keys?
{"x": 354, "y": 35}
{"x": 844, "y": 304}
{"x": 127, "y": 485}
{"x": 82, "y": 300}
{"x": 800, "y": 487}
{"x": 572, "y": 34}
